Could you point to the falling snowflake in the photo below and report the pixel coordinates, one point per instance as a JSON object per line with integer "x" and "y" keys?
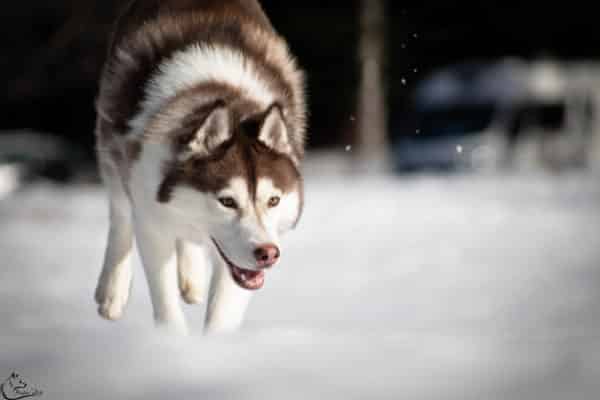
{"x": 403, "y": 81}
{"x": 348, "y": 148}
{"x": 459, "y": 149}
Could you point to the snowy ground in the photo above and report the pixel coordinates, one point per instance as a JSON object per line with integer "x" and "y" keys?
{"x": 392, "y": 288}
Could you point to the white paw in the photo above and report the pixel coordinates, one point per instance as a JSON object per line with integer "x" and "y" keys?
{"x": 191, "y": 292}
{"x": 112, "y": 299}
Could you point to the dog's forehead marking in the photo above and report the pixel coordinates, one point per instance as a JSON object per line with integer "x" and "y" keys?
{"x": 265, "y": 189}
{"x": 276, "y": 167}
{"x": 237, "y": 188}
{"x": 250, "y": 160}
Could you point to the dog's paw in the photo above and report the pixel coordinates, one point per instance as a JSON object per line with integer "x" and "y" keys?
{"x": 190, "y": 292}
{"x": 111, "y": 301}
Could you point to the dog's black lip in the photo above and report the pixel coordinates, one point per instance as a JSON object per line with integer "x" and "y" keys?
{"x": 231, "y": 265}
{"x": 222, "y": 253}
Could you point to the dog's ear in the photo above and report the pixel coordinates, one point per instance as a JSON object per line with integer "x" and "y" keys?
{"x": 274, "y": 132}
{"x": 215, "y": 130}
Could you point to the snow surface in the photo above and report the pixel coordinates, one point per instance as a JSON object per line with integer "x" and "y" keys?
{"x": 466, "y": 287}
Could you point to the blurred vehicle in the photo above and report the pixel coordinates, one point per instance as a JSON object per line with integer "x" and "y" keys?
{"x": 455, "y": 136}
{"x": 482, "y": 116}
{"x": 457, "y": 112}
{"x": 27, "y": 156}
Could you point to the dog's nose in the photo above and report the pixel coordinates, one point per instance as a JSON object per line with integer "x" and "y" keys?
{"x": 266, "y": 255}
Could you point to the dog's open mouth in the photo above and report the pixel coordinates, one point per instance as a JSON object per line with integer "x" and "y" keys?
{"x": 247, "y": 279}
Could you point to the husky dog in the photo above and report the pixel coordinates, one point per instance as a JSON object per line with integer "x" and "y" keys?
{"x": 200, "y": 134}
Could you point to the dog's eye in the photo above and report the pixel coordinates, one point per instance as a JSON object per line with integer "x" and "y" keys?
{"x": 274, "y": 201}
{"x": 228, "y": 202}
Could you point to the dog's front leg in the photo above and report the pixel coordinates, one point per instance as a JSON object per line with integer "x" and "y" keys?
{"x": 194, "y": 270}
{"x": 114, "y": 284}
{"x": 157, "y": 251}
{"x": 227, "y": 302}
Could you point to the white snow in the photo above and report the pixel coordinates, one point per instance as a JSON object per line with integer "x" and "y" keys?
{"x": 467, "y": 287}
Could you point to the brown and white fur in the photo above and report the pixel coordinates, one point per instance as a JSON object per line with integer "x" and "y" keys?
{"x": 200, "y": 134}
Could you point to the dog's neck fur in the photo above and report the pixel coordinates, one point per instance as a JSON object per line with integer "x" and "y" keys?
{"x": 198, "y": 65}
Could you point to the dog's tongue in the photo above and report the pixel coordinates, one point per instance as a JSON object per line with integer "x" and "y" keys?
{"x": 251, "y": 280}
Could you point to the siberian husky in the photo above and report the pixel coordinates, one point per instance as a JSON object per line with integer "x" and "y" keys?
{"x": 200, "y": 134}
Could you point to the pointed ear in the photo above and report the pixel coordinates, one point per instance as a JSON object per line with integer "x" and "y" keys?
{"x": 274, "y": 132}
{"x": 214, "y": 131}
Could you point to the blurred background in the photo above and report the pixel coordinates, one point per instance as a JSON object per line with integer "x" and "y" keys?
{"x": 433, "y": 86}
{"x": 453, "y": 199}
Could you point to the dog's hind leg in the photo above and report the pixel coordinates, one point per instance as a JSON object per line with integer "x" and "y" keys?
{"x": 227, "y": 302}
{"x": 157, "y": 250}
{"x": 193, "y": 266}
{"x": 112, "y": 292}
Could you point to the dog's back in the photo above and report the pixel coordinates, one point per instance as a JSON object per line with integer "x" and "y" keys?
{"x": 151, "y": 31}
{"x": 138, "y": 12}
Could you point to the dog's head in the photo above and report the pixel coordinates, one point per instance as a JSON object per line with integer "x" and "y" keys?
{"x": 234, "y": 179}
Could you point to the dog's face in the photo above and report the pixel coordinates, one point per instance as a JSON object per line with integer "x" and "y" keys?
{"x": 238, "y": 183}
